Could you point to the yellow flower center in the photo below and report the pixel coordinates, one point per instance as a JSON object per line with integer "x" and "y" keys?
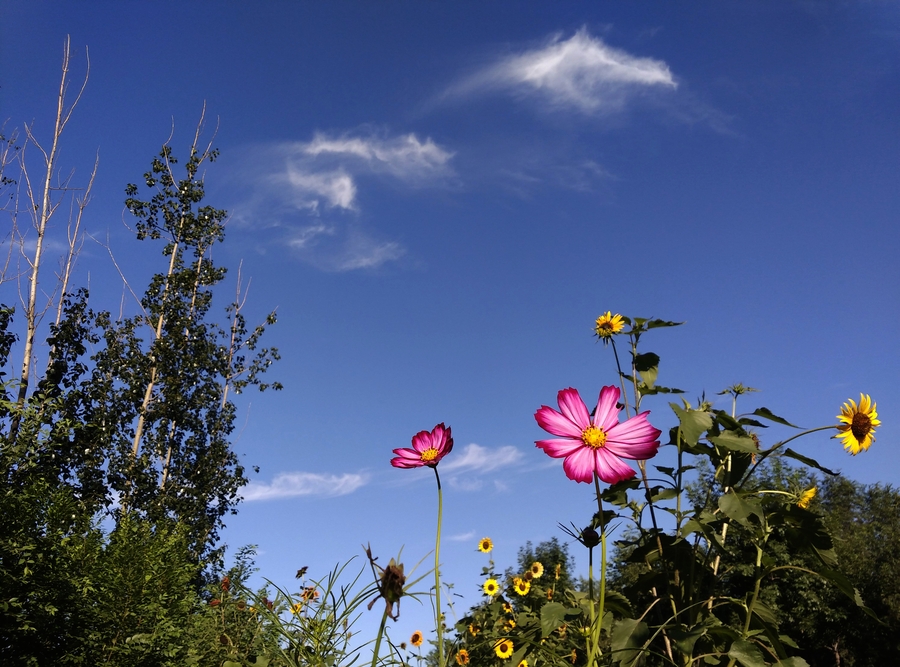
{"x": 429, "y": 454}
{"x": 593, "y": 437}
{"x": 861, "y": 426}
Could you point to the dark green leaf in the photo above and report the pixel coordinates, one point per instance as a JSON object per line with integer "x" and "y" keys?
{"x": 746, "y": 653}
{"x": 734, "y": 442}
{"x": 790, "y": 453}
{"x": 765, "y": 413}
{"x": 627, "y": 639}
{"x": 656, "y": 324}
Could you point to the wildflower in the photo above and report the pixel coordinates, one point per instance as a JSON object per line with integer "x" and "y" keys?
{"x": 523, "y": 663}
{"x": 558, "y": 568}
{"x": 596, "y": 445}
{"x": 473, "y": 629}
{"x": 296, "y": 607}
{"x": 427, "y": 449}
{"x": 507, "y": 607}
{"x": 485, "y": 545}
{"x": 859, "y": 424}
{"x": 491, "y": 587}
{"x": 608, "y": 325}
{"x": 522, "y": 586}
{"x": 537, "y": 570}
{"x": 462, "y": 657}
{"x": 241, "y": 605}
{"x": 309, "y": 594}
{"x": 806, "y": 497}
{"x": 226, "y": 583}
{"x": 503, "y": 648}
{"x": 549, "y": 594}
{"x": 402, "y": 646}
{"x": 416, "y": 639}
{"x": 574, "y": 656}
{"x": 215, "y": 602}
{"x": 390, "y": 587}
{"x": 509, "y": 625}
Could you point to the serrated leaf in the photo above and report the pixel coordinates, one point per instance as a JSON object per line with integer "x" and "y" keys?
{"x": 746, "y": 653}
{"x": 734, "y": 442}
{"x": 765, "y": 413}
{"x": 746, "y": 421}
{"x": 553, "y": 615}
{"x": 627, "y": 640}
{"x": 694, "y": 423}
{"x": 846, "y": 587}
{"x": 666, "y": 470}
{"x": 790, "y": 453}
{"x": 739, "y": 509}
{"x": 664, "y": 494}
{"x": 685, "y": 639}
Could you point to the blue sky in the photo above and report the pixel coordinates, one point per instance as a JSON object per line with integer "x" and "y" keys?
{"x": 439, "y": 198}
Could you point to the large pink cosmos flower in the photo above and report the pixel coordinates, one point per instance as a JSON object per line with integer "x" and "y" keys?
{"x": 427, "y": 449}
{"x": 598, "y": 444}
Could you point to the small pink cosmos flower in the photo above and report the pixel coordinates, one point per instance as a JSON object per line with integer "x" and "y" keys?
{"x": 598, "y": 444}
{"x": 427, "y": 449}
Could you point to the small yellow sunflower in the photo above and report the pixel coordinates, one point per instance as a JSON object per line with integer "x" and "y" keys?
{"x": 503, "y": 648}
{"x": 509, "y": 625}
{"x": 608, "y": 325}
{"x": 806, "y": 497}
{"x": 523, "y": 663}
{"x": 521, "y": 586}
{"x": 296, "y": 607}
{"x": 491, "y": 587}
{"x": 859, "y": 424}
{"x": 462, "y": 657}
{"x": 473, "y": 629}
{"x": 416, "y": 639}
{"x": 485, "y": 545}
{"x": 537, "y": 569}
{"x": 507, "y": 607}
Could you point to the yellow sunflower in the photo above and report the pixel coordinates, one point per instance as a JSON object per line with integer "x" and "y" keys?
{"x": 608, "y": 325}
{"x": 296, "y": 607}
{"x": 522, "y": 586}
{"x": 473, "y": 629}
{"x": 806, "y": 497}
{"x": 462, "y": 657}
{"x": 537, "y": 569}
{"x": 485, "y": 545}
{"x": 859, "y": 422}
{"x": 491, "y": 587}
{"x": 416, "y": 639}
{"x": 507, "y": 607}
{"x": 503, "y": 648}
{"x": 523, "y": 663}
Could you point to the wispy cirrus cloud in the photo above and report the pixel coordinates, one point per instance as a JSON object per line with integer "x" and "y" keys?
{"x": 581, "y": 72}
{"x": 479, "y": 459}
{"x": 293, "y": 484}
{"x": 311, "y": 191}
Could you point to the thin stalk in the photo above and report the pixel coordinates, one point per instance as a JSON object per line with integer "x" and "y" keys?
{"x": 384, "y": 618}
{"x": 621, "y": 377}
{"x": 763, "y": 455}
{"x": 438, "y": 617}
{"x": 597, "y": 627}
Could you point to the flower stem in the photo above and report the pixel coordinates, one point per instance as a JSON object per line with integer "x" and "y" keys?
{"x": 384, "y": 618}
{"x": 597, "y": 626}
{"x": 438, "y": 617}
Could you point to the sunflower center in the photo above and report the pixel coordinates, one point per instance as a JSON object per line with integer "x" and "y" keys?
{"x": 861, "y": 426}
{"x": 429, "y": 454}
{"x": 593, "y": 437}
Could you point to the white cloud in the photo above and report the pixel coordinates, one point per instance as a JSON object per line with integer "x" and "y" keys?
{"x": 581, "y": 72}
{"x": 364, "y": 252}
{"x": 404, "y": 157}
{"x": 478, "y": 459}
{"x": 309, "y": 187}
{"x": 462, "y": 537}
{"x": 292, "y": 484}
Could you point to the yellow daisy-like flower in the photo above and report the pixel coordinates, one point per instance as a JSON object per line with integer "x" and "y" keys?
{"x": 806, "y": 497}
{"x": 859, "y": 424}
{"x": 523, "y": 663}
{"x": 473, "y": 629}
{"x": 521, "y": 586}
{"x": 462, "y": 657}
{"x": 537, "y": 569}
{"x": 509, "y": 625}
{"x": 503, "y": 648}
{"x": 296, "y": 607}
{"x": 485, "y": 545}
{"x": 491, "y": 587}
{"x": 608, "y": 325}
{"x": 416, "y": 639}
{"x": 507, "y": 607}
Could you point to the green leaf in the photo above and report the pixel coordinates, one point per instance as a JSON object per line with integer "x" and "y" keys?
{"x": 627, "y": 640}
{"x": 664, "y": 494}
{"x": 734, "y": 442}
{"x": 685, "y": 639}
{"x": 656, "y": 324}
{"x": 694, "y": 423}
{"x": 739, "y": 509}
{"x": 844, "y": 585}
{"x": 792, "y": 662}
{"x": 765, "y": 413}
{"x": 553, "y": 615}
{"x": 790, "y": 453}
{"x": 746, "y": 653}
{"x": 646, "y": 361}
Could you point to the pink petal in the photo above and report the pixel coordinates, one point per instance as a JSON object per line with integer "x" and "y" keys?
{"x": 421, "y": 441}
{"x": 580, "y": 465}
{"x": 607, "y": 414}
{"x": 442, "y": 440}
{"x": 400, "y": 462}
{"x": 635, "y": 438}
{"x": 552, "y": 421}
{"x": 559, "y": 448}
{"x": 610, "y": 468}
{"x": 572, "y": 407}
